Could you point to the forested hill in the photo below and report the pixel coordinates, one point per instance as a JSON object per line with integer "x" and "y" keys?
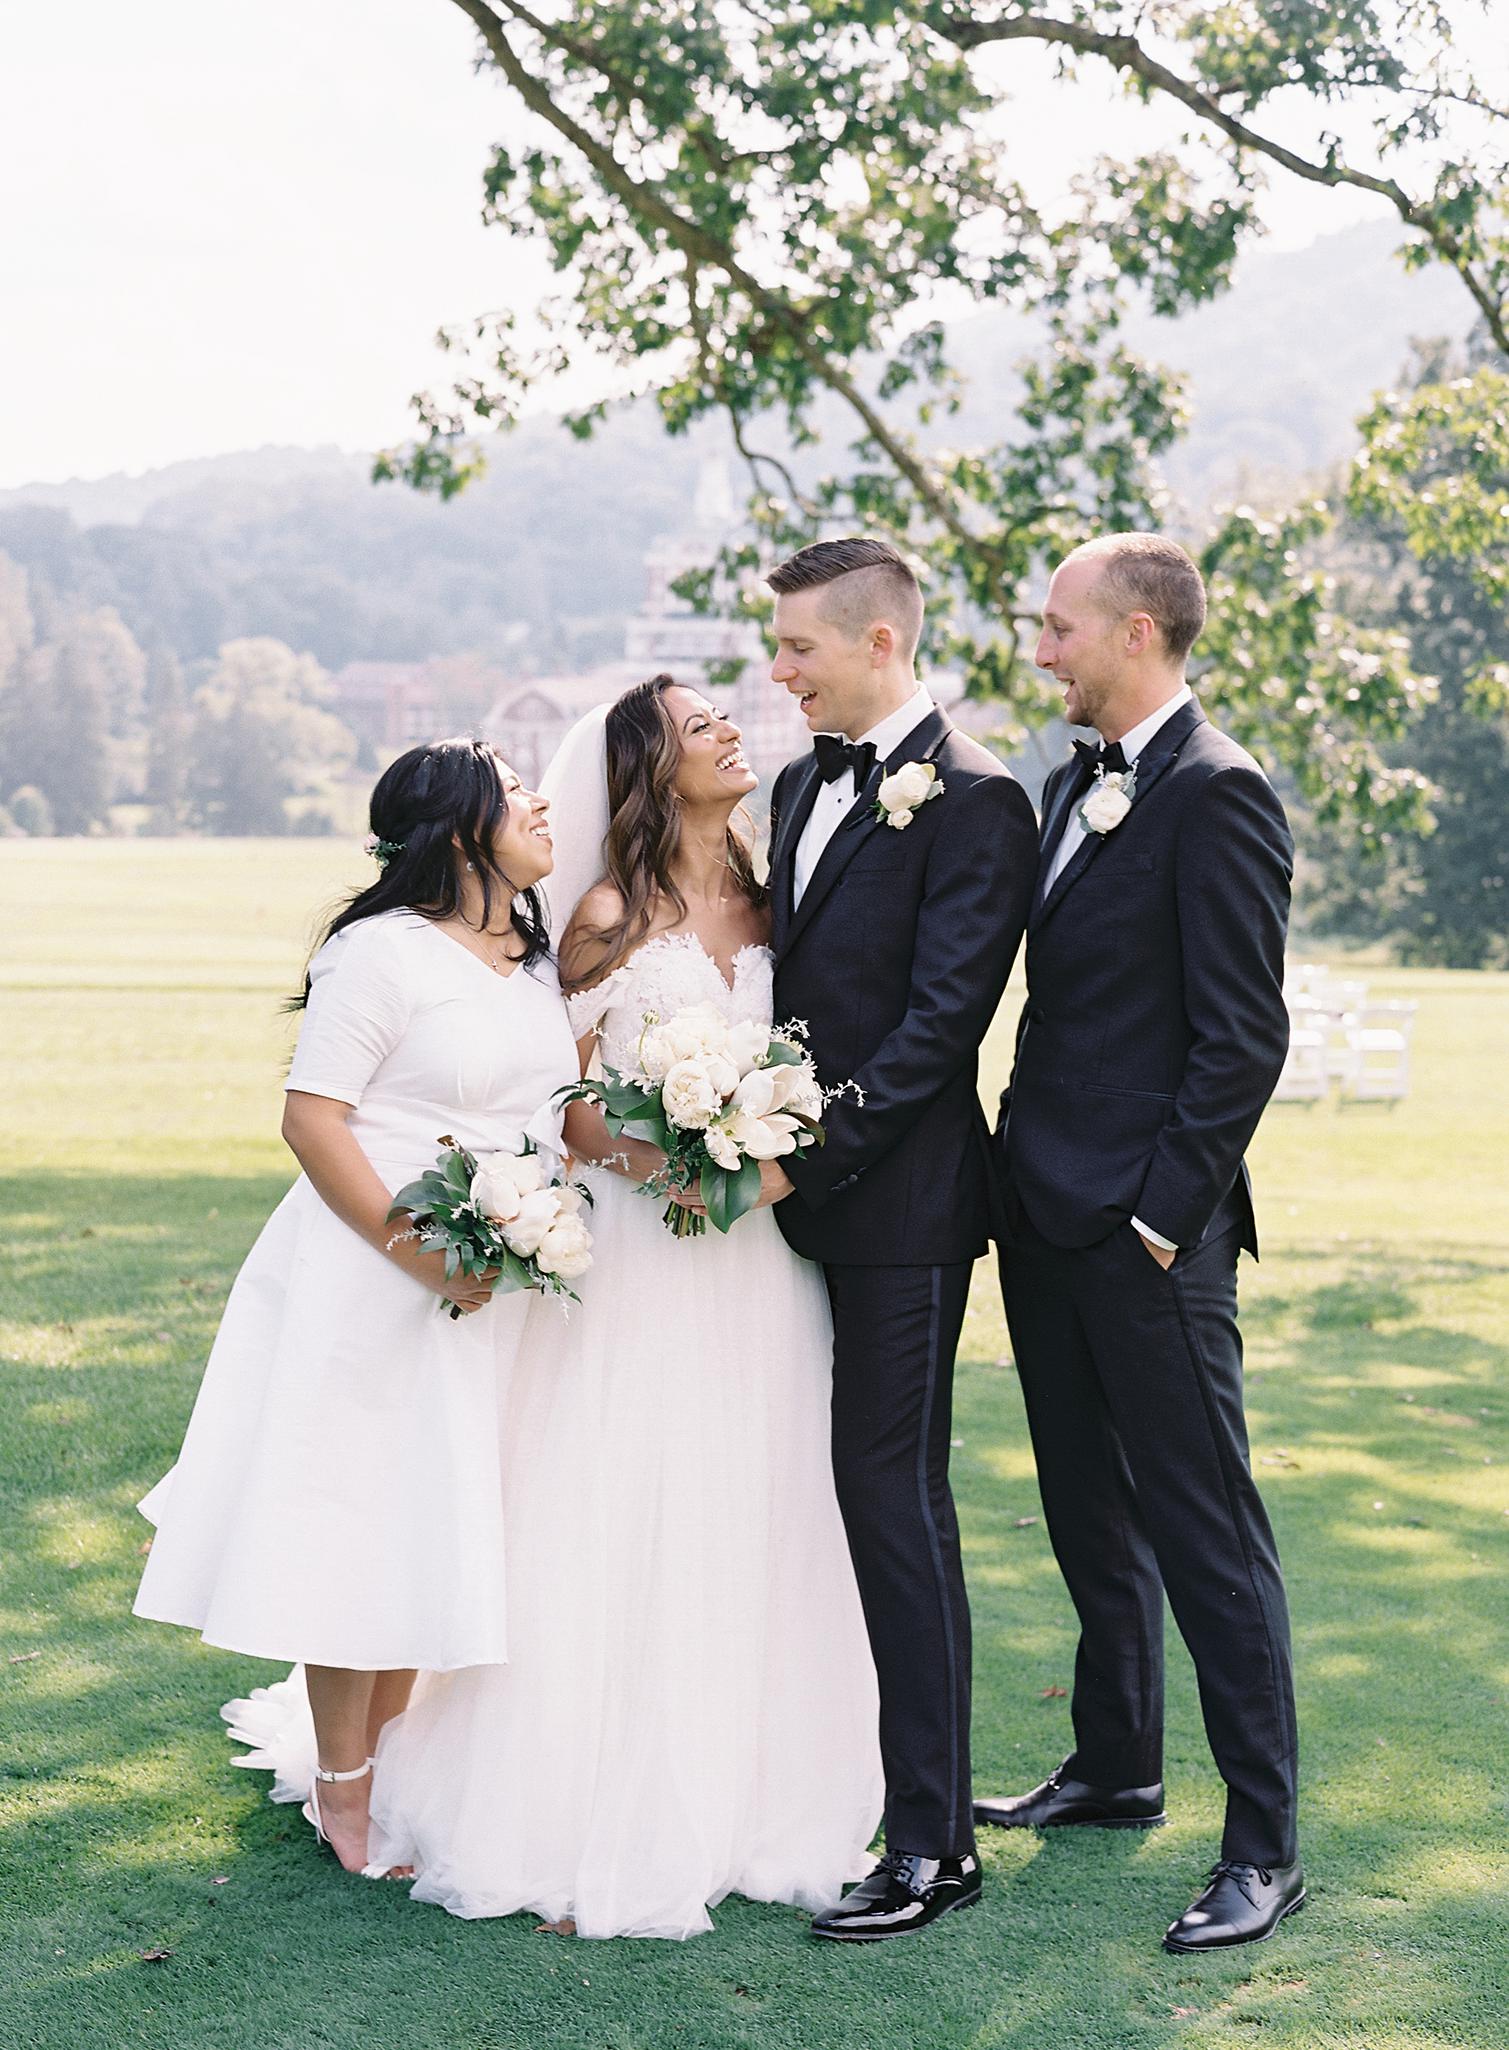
{"x": 298, "y": 544}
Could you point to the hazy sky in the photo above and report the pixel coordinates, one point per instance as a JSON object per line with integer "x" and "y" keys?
{"x": 226, "y": 226}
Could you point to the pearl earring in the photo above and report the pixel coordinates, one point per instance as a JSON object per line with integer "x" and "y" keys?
{"x": 471, "y": 867}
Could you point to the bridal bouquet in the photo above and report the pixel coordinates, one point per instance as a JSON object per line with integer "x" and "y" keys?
{"x": 717, "y": 1099}
{"x": 499, "y": 1211}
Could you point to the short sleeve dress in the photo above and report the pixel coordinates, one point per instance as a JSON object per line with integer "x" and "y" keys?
{"x": 337, "y": 1498}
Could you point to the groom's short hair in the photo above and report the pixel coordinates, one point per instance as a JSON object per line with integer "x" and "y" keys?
{"x": 866, "y": 580}
{"x": 1149, "y": 573}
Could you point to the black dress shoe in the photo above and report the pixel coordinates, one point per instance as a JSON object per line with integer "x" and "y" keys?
{"x": 1242, "y": 1904}
{"x": 903, "y": 1893}
{"x": 1062, "y": 1803}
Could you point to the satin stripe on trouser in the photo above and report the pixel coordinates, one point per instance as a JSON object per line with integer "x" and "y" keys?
{"x": 895, "y": 1332}
{"x": 1133, "y": 1383}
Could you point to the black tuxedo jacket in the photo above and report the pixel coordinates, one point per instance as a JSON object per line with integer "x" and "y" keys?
{"x": 895, "y": 961}
{"x": 1155, "y": 1026}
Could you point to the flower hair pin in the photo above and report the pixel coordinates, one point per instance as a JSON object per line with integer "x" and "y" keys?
{"x": 382, "y": 851}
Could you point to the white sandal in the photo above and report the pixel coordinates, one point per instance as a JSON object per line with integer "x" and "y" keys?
{"x": 311, "y": 1808}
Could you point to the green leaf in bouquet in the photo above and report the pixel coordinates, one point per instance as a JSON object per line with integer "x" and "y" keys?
{"x": 452, "y": 1260}
{"x": 513, "y": 1273}
{"x": 650, "y": 1125}
{"x": 783, "y": 1055}
{"x": 729, "y": 1192}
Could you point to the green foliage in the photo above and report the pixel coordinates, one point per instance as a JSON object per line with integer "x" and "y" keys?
{"x": 762, "y": 212}
{"x": 261, "y": 734}
{"x": 1435, "y": 463}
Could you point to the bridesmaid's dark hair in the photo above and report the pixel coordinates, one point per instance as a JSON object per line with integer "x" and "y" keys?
{"x": 445, "y": 791}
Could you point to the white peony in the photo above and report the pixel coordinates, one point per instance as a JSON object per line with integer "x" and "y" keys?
{"x": 690, "y": 1096}
{"x": 1106, "y": 806}
{"x": 566, "y": 1249}
{"x": 503, "y": 1180}
{"x": 524, "y": 1231}
{"x": 698, "y": 1033}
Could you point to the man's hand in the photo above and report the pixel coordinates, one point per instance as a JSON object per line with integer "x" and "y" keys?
{"x": 1164, "y": 1255}
{"x": 775, "y": 1183}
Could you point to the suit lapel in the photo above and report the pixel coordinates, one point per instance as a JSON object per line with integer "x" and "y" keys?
{"x": 805, "y": 785}
{"x": 1161, "y": 751}
{"x": 856, "y": 825}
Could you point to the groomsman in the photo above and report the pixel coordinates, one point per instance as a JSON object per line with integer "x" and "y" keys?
{"x": 1153, "y": 1034}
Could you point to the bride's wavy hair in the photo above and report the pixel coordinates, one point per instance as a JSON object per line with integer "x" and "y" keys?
{"x": 442, "y": 793}
{"x": 644, "y": 830}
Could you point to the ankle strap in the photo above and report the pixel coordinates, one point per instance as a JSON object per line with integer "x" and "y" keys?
{"x": 329, "y": 1778}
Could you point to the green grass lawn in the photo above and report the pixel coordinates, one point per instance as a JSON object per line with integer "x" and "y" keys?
{"x": 139, "y": 985}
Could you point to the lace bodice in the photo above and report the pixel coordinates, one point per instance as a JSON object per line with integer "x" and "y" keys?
{"x": 669, "y": 974}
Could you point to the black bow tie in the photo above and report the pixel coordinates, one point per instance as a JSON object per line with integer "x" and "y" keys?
{"x": 835, "y": 756}
{"x": 1107, "y": 760}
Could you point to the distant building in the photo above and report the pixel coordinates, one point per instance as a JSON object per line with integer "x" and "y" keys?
{"x": 391, "y": 705}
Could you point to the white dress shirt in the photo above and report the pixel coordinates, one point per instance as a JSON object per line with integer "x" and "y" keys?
{"x": 836, "y": 799}
{"x": 1132, "y": 745}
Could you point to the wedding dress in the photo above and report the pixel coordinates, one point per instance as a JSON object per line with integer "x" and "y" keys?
{"x": 689, "y": 1708}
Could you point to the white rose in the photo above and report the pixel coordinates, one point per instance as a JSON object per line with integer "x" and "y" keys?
{"x": 912, "y": 784}
{"x": 898, "y": 819}
{"x": 566, "y": 1249}
{"x": 503, "y": 1180}
{"x": 690, "y": 1097}
{"x": 1105, "y": 808}
{"x": 536, "y": 1214}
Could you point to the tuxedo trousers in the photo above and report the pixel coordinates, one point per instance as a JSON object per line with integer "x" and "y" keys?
{"x": 1132, "y": 1377}
{"x": 895, "y": 1332}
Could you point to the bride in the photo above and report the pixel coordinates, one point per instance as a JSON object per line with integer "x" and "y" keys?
{"x": 689, "y": 1707}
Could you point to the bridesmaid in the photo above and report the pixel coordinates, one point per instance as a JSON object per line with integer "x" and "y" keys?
{"x": 337, "y": 1498}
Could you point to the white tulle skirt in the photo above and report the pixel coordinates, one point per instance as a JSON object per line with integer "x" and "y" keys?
{"x": 689, "y": 1707}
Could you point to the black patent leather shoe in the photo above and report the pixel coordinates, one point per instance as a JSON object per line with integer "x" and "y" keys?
{"x": 1063, "y": 1803}
{"x": 1241, "y": 1904}
{"x": 905, "y": 1892}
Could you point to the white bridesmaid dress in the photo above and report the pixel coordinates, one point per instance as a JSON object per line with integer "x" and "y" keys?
{"x": 338, "y": 1498}
{"x": 689, "y": 1708}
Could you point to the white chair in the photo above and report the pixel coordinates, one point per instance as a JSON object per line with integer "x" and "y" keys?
{"x": 1378, "y": 1040}
{"x": 1304, "y": 979}
{"x": 1306, "y": 1076}
{"x": 1340, "y": 1004}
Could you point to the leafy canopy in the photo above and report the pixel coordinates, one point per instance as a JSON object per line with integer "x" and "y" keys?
{"x": 767, "y": 209}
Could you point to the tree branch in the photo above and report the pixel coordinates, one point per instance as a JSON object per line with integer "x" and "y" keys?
{"x": 646, "y": 203}
{"x": 1125, "y": 53}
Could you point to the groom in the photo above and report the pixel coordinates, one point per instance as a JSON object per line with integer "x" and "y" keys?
{"x": 896, "y": 924}
{"x": 1153, "y": 1034}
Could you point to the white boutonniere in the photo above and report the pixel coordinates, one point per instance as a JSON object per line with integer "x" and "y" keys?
{"x": 1109, "y": 802}
{"x": 905, "y": 791}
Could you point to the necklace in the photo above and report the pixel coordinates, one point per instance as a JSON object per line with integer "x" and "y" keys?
{"x": 503, "y": 964}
